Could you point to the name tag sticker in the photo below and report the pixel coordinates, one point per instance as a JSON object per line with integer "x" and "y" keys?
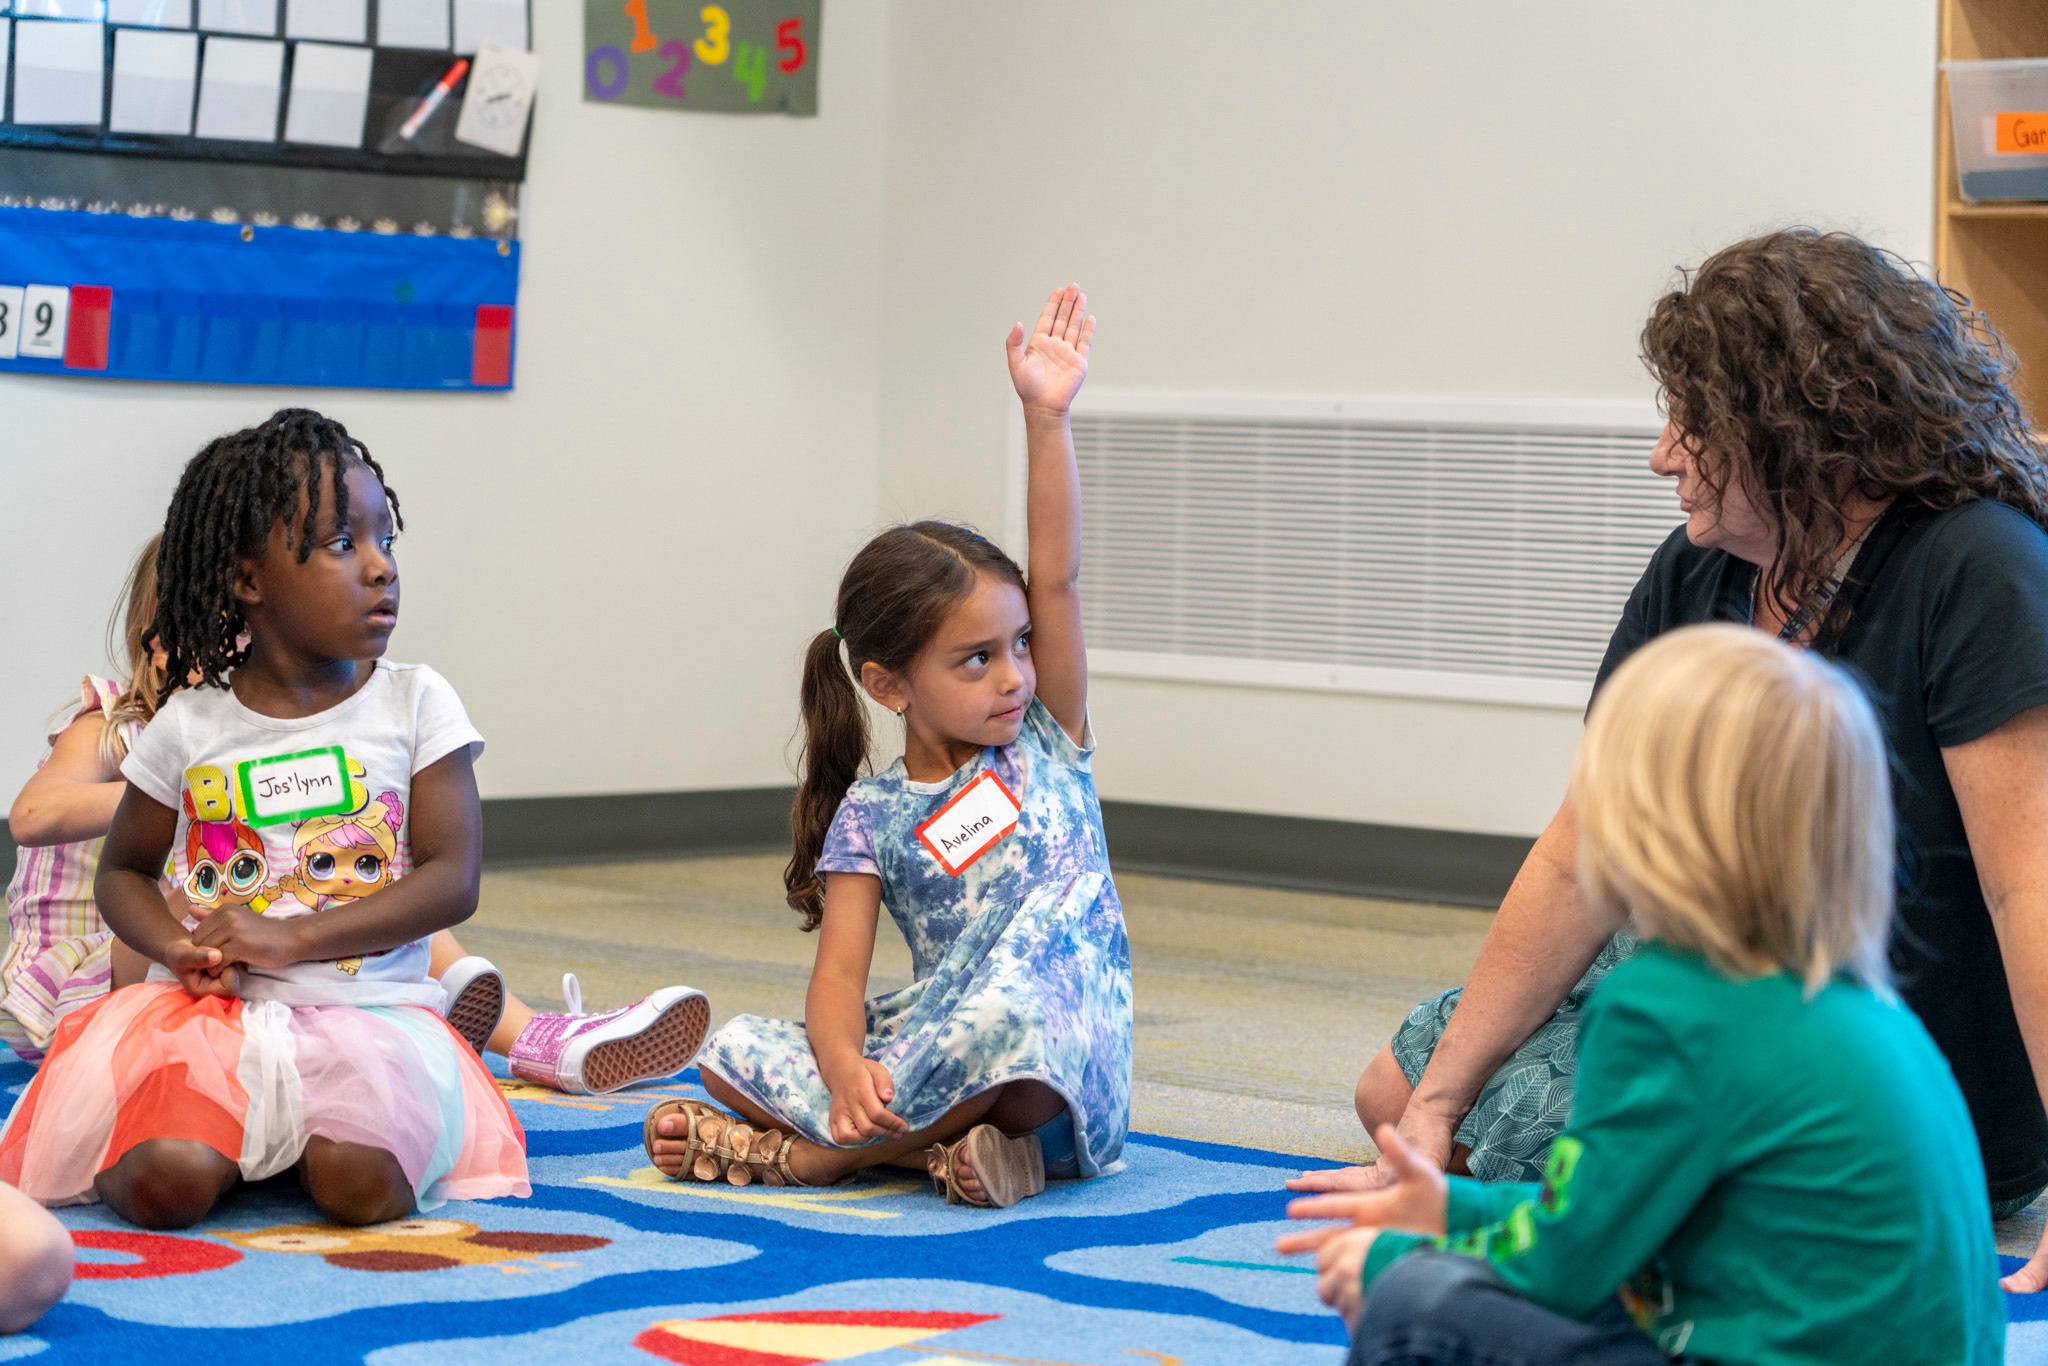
{"x": 294, "y": 787}
{"x": 973, "y": 823}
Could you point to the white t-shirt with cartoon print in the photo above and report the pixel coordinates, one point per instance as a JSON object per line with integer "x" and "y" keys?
{"x": 292, "y": 816}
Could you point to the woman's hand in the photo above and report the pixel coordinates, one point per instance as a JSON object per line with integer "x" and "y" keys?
{"x": 2033, "y": 1277}
{"x": 1049, "y": 365}
{"x": 1340, "y": 1272}
{"x": 1414, "y": 1200}
{"x": 860, "y": 1105}
{"x": 1425, "y": 1137}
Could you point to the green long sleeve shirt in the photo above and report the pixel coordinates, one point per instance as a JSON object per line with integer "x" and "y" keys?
{"x": 1765, "y": 1179}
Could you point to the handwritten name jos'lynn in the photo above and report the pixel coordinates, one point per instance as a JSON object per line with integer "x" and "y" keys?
{"x": 967, "y": 833}
{"x": 294, "y": 784}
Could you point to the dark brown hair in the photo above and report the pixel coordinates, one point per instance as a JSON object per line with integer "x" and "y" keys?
{"x": 1804, "y": 364}
{"x": 892, "y": 599}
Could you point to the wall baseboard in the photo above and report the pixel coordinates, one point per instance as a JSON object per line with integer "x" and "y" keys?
{"x": 1389, "y": 861}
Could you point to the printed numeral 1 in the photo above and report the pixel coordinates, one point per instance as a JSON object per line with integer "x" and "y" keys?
{"x": 10, "y": 321}
{"x": 643, "y": 36}
{"x": 750, "y": 69}
{"x": 45, "y": 312}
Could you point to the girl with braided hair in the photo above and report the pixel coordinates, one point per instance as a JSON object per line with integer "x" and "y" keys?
{"x": 252, "y": 1050}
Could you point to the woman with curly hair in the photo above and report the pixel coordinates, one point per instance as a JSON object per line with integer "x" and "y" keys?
{"x": 1857, "y": 477}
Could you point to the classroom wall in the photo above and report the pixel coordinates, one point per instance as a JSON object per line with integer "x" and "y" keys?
{"x": 617, "y": 563}
{"x": 1320, "y": 196}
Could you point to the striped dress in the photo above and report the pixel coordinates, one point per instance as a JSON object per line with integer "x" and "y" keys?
{"x": 57, "y": 951}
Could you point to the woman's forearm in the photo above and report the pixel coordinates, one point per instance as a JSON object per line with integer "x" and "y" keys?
{"x": 1542, "y": 941}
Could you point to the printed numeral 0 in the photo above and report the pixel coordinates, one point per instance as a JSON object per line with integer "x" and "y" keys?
{"x": 10, "y": 321}
{"x": 609, "y": 55}
{"x": 44, "y": 311}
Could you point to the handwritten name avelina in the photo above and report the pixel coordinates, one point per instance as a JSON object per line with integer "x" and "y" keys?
{"x": 967, "y": 833}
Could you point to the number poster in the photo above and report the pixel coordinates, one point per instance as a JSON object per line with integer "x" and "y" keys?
{"x": 736, "y": 57}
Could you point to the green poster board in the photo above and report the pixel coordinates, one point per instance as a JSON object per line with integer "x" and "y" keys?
{"x": 734, "y": 57}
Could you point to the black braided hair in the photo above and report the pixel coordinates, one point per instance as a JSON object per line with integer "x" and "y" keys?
{"x": 229, "y": 497}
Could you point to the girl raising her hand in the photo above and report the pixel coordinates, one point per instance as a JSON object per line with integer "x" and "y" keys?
{"x": 1009, "y": 1058}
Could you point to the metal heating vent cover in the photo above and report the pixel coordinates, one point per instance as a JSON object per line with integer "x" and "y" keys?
{"x": 1475, "y": 550}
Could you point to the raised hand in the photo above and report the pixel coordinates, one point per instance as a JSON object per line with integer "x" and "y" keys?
{"x": 860, "y": 1106}
{"x": 1414, "y": 1202}
{"x": 202, "y": 970}
{"x": 1048, "y": 366}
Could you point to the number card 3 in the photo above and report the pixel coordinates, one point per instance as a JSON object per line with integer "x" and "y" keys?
{"x": 295, "y": 787}
{"x": 10, "y": 321}
{"x": 970, "y": 825}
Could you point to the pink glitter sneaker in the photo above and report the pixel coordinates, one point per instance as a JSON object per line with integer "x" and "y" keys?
{"x": 590, "y": 1054}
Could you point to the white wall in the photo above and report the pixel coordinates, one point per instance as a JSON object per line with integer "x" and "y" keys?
{"x": 1324, "y": 196}
{"x": 744, "y": 340}
{"x": 617, "y": 563}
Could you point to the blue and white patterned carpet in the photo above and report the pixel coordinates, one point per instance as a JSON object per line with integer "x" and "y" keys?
{"x": 1167, "y": 1262}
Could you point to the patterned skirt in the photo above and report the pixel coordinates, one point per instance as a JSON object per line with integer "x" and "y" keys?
{"x": 1039, "y": 992}
{"x": 45, "y": 981}
{"x": 253, "y": 1080}
{"x": 1527, "y": 1102}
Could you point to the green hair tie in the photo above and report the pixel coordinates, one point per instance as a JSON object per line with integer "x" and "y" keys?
{"x": 835, "y": 631}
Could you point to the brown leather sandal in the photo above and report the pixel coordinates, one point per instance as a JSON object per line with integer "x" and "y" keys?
{"x": 707, "y": 1135}
{"x": 1009, "y": 1169}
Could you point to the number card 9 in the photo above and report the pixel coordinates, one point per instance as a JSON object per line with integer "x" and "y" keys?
{"x": 733, "y": 57}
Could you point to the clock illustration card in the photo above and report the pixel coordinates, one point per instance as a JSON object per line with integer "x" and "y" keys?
{"x": 499, "y": 99}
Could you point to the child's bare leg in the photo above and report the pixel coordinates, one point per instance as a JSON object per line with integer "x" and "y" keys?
{"x": 353, "y": 1183}
{"x": 813, "y": 1163}
{"x": 129, "y": 966}
{"x": 1020, "y": 1107}
{"x": 35, "y": 1260}
{"x": 166, "y": 1183}
{"x": 442, "y": 953}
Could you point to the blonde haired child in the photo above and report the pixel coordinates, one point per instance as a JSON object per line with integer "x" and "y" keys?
{"x": 1767, "y": 1159}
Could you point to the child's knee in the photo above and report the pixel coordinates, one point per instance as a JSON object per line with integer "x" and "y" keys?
{"x": 165, "y": 1183}
{"x": 35, "y": 1264}
{"x": 355, "y": 1184}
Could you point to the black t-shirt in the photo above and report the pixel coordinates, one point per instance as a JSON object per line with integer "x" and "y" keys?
{"x": 1948, "y": 631}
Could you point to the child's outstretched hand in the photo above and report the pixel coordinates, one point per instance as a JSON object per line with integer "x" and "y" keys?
{"x": 1049, "y": 365}
{"x": 202, "y": 970}
{"x": 1415, "y": 1202}
{"x": 860, "y": 1106}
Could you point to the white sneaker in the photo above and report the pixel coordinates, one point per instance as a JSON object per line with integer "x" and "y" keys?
{"x": 474, "y": 1000}
{"x": 591, "y": 1054}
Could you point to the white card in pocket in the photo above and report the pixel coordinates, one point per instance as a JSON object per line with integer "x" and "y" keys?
{"x": 973, "y": 823}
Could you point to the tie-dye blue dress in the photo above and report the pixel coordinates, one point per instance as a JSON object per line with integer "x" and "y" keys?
{"x": 1022, "y": 966}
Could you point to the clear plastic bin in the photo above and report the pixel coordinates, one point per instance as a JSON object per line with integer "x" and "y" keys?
{"x": 1999, "y": 113}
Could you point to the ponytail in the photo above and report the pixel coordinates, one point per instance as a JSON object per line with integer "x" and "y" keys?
{"x": 835, "y": 745}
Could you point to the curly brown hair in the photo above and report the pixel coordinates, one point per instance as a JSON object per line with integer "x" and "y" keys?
{"x": 1826, "y": 365}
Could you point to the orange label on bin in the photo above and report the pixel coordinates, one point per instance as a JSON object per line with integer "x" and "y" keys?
{"x": 2022, "y": 134}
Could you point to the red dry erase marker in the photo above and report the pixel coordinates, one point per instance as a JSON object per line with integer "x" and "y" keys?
{"x": 434, "y": 100}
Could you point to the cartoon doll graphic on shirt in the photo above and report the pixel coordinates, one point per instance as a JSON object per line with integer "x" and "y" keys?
{"x": 226, "y": 865}
{"x": 345, "y": 857}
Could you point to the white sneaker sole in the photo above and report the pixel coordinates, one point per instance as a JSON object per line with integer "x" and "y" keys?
{"x": 477, "y": 1003}
{"x": 659, "y": 1038}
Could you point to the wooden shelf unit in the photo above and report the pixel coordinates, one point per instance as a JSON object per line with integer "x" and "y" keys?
{"x": 1996, "y": 253}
